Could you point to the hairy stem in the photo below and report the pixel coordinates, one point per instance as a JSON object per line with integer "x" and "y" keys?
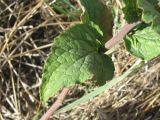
{"x": 55, "y": 105}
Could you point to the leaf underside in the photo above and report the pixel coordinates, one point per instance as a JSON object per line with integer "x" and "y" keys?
{"x": 143, "y": 43}
{"x": 75, "y": 57}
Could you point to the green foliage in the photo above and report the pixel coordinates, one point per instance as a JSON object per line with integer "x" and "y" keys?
{"x": 76, "y": 56}
{"x": 131, "y": 11}
{"x": 78, "y": 53}
{"x": 143, "y": 10}
{"x": 137, "y": 65}
{"x": 97, "y": 13}
{"x": 143, "y": 43}
{"x": 151, "y": 13}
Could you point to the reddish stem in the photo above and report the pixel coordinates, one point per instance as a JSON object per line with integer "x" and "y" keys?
{"x": 56, "y": 105}
{"x": 120, "y": 35}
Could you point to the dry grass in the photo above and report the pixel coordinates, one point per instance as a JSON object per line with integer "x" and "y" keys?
{"x": 136, "y": 98}
{"x": 27, "y": 29}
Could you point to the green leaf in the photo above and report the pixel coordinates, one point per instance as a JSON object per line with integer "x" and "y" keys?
{"x": 76, "y": 56}
{"x": 144, "y": 43}
{"x": 151, "y": 13}
{"x": 96, "y": 13}
{"x": 131, "y": 11}
{"x": 131, "y": 71}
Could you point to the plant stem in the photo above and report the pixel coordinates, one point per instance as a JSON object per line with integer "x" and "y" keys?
{"x": 55, "y": 105}
{"x": 113, "y": 41}
{"x": 120, "y": 35}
